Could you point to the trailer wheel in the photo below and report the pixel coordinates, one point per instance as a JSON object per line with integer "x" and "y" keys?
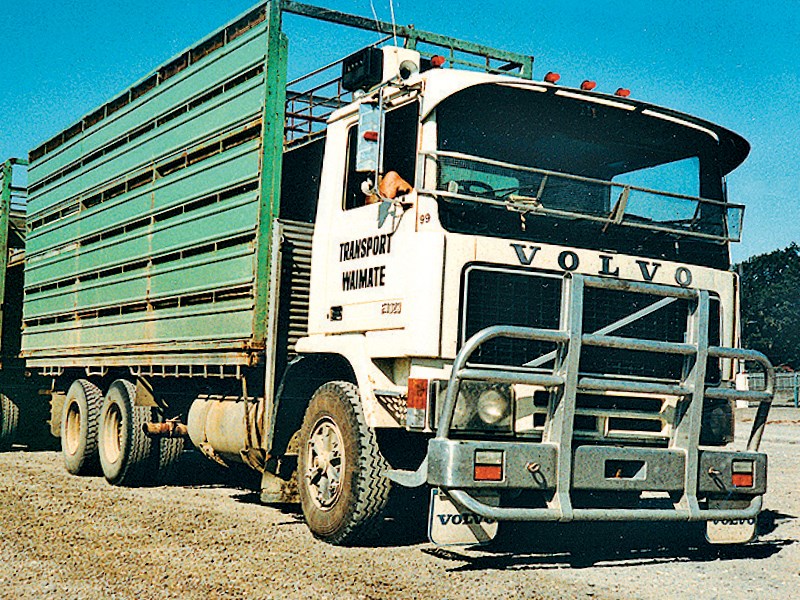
{"x": 79, "y": 424}
{"x": 126, "y": 451}
{"x": 342, "y": 490}
{"x": 9, "y": 422}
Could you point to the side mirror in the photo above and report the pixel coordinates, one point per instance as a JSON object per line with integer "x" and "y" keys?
{"x": 370, "y": 137}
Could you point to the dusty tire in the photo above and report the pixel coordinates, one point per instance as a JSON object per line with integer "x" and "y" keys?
{"x": 342, "y": 491}
{"x": 79, "y": 424}
{"x": 9, "y": 423}
{"x": 169, "y": 452}
{"x": 127, "y": 454}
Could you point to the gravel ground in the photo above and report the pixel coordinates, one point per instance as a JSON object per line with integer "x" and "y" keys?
{"x": 69, "y": 537}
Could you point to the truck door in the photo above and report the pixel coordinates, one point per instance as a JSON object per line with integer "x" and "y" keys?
{"x": 368, "y": 239}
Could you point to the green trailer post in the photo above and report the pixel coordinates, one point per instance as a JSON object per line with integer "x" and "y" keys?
{"x": 23, "y": 413}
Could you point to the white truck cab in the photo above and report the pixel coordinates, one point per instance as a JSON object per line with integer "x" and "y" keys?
{"x": 568, "y": 252}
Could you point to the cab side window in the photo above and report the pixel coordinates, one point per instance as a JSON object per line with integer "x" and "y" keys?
{"x": 399, "y": 152}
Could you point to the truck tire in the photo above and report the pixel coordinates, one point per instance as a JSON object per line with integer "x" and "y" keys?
{"x": 127, "y": 454}
{"x": 340, "y": 469}
{"x": 169, "y": 452}
{"x": 79, "y": 424}
{"x": 9, "y": 422}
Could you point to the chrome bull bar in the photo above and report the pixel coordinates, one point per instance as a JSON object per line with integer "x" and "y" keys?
{"x": 565, "y": 377}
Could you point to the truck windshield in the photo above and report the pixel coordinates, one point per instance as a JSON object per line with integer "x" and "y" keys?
{"x": 556, "y": 168}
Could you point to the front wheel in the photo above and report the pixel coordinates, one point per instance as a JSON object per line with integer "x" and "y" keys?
{"x": 340, "y": 469}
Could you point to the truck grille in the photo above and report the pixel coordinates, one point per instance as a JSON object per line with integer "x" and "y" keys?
{"x": 500, "y": 297}
{"x": 494, "y": 296}
{"x": 503, "y": 296}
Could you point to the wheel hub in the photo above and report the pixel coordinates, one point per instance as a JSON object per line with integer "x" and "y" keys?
{"x": 72, "y": 429}
{"x": 325, "y": 462}
{"x": 112, "y": 433}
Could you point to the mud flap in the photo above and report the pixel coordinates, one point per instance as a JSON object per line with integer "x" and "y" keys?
{"x": 449, "y": 525}
{"x": 735, "y": 531}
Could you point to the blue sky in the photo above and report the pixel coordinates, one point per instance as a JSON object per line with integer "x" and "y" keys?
{"x": 735, "y": 63}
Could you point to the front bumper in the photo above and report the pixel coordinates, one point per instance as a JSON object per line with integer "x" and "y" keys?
{"x": 530, "y": 466}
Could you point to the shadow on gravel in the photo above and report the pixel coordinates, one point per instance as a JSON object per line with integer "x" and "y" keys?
{"x": 582, "y": 545}
{"x": 770, "y": 520}
{"x": 292, "y": 510}
{"x": 195, "y": 470}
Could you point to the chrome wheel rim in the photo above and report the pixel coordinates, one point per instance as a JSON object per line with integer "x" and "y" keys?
{"x": 324, "y": 463}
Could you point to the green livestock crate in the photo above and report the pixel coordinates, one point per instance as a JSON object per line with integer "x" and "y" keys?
{"x": 149, "y": 220}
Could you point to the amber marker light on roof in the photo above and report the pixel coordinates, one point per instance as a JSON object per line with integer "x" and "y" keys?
{"x": 552, "y": 77}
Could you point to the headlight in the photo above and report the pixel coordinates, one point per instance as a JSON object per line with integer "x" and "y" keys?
{"x": 480, "y": 406}
{"x": 493, "y": 407}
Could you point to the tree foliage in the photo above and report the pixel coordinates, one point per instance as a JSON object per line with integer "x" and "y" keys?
{"x": 770, "y": 295}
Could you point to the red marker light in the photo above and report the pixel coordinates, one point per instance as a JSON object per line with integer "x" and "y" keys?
{"x": 371, "y": 136}
{"x": 416, "y": 403}
{"x": 437, "y": 61}
{"x": 417, "y": 394}
{"x": 742, "y": 473}
{"x": 588, "y": 85}
{"x": 488, "y": 465}
{"x": 552, "y": 77}
{"x": 488, "y": 473}
{"x": 622, "y": 92}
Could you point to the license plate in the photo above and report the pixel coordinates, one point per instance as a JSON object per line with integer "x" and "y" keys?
{"x": 734, "y": 531}
{"x": 449, "y": 525}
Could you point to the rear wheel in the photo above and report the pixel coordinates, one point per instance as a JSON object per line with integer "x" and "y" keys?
{"x": 126, "y": 451}
{"x": 79, "y": 424}
{"x": 169, "y": 452}
{"x": 342, "y": 490}
{"x": 9, "y": 422}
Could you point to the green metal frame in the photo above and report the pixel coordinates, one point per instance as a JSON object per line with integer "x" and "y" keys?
{"x": 6, "y": 189}
{"x": 522, "y": 62}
